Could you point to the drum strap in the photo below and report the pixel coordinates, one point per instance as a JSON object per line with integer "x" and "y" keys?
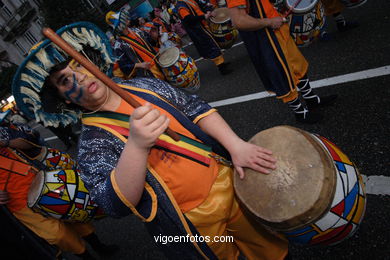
{"x": 190, "y": 148}
{"x": 14, "y": 166}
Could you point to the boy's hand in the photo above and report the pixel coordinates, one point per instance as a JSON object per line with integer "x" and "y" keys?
{"x": 276, "y": 22}
{"x": 254, "y": 157}
{"x": 146, "y": 125}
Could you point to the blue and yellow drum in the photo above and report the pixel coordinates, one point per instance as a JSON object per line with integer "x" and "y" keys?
{"x": 222, "y": 28}
{"x": 59, "y": 192}
{"x": 179, "y": 69}
{"x": 315, "y": 196}
{"x": 306, "y": 21}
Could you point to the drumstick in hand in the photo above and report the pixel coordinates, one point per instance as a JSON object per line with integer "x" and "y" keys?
{"x": 292, "y": 8}
{"x": 49, "y": 33}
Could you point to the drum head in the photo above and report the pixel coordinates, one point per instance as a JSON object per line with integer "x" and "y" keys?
{"x": 303, "y": 7}
{"x": 35, "y": 189}
{"x": 168, "y": 57}
{"x": 221, "y": 15}
{"x": 299, "y": 191}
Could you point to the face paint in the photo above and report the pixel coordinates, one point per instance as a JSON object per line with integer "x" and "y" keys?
{"x": 72, "y": 90}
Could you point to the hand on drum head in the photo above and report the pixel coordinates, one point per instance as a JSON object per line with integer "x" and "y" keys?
{"x": 208, "y": 15}
{"x": 254, "y": 157}
{"x": 4, "y": 198}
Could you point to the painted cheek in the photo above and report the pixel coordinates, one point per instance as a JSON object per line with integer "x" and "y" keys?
{"x": 73, "y": 89}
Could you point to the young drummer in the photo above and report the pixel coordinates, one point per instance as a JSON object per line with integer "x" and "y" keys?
{"x": 178, "y": 188}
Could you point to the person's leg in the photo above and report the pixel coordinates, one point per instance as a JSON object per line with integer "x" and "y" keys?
{"x": 313, "y": 100}
{"x": 219, "y": 215}
{"x": 210, "y": 218}
{"x": 54, "y": 231}
{"x": 222, "y": 66}
{"x": 254, "y": 241}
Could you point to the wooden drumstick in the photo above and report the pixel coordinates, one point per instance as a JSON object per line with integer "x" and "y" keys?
{"x": 292, "y": 8}
{"x": 49, "y": 33}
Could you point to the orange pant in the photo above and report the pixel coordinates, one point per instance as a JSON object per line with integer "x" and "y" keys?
{"x": 297, "y": 64}
{"x": 220, "y": 215}
{"x": 67, "y": 236}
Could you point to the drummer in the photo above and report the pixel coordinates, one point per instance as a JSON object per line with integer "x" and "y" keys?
{"x": 160, "y": 39}
{"x": 17, "y": 171}
{"x": 335, "y": 8}
{"x": 194, "y": 20}
{"x": 133, "y": 48}
{"x": 277, "y": 60}
{"x": 179, "y": 188}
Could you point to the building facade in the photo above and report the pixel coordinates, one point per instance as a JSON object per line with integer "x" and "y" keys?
{"x": 21, "y": 24}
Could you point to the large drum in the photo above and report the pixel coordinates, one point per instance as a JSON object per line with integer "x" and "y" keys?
{"x": 306, "y": 20}
{"x": 179, "y": 69}
{"x": 316, "y": 194}
{"x": 222, "y": 29}
{"x": 61, "y": 194}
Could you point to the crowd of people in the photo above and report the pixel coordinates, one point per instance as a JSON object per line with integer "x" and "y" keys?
{"x": 128, "y": 162}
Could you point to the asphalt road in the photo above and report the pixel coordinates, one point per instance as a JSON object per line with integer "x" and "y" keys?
{"x": 358, "y": 123}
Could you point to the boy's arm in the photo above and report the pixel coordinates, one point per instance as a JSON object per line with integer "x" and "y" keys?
{"x": 243, "y": 154}
{"x": 243, "y": 21}
{"x": 146, "y": 125}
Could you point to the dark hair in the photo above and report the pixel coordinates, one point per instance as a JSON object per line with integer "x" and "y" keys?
{"x": 134, "y": 23}
{"x": 52, "y": 101}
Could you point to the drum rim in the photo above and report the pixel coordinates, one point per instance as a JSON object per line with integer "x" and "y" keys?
{"x": 33, "y": 204}
{"x": 297, "y": 10}
{"x": 295, "y": 222}
{"x": 212, "y": 19}
{"x": 172, "y": 62}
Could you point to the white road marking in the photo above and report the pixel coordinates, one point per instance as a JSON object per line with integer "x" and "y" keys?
{"x": 365, "y": 74}
{"x": 51, "y": 138}
{"x": 377, "y": 185}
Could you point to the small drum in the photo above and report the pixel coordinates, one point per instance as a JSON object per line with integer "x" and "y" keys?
{"x": 179, "y": 69}
{"x": 305, "y": 6}
{"x": 315, "y": 196}
{"x": 304, "y": 28}
{"x": 222, "y": 29}
{"x": 61, "y": 194}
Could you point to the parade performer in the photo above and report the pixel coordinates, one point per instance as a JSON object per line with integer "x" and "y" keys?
{"x": 156, "y": 17}
{"x": 161, "y": 39}
{"x": 132, "y": 47}
{"x": 277, "y": 60}
{"x": 178, "y": 188}
{"x": 335, "y": 8}
{"x": 21, "y": 157}
{"x": 194, "y": 21}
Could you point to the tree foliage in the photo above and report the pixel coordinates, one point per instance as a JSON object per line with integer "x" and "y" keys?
{"x": 62, "y": 12}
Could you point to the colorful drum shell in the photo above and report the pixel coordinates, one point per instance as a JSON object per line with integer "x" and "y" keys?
{"x": 61, "y": 194}
{"x": 307, "y": 27}
{"x": 182, "y": 71}
{"x": 315, "y": 196}
{"x": 347, "y": 209}
{"x": 223, "y": 31}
